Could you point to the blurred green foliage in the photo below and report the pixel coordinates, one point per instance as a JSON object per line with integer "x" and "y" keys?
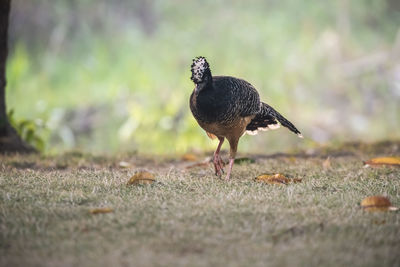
{"x": 28, "y": 130}
{"x": 112, "y": 76}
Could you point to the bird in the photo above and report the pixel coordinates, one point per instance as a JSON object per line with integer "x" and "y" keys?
{"x": 227, "y": 108}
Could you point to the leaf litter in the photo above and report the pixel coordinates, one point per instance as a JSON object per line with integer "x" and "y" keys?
{"x": 383, "y": 161}
{"x": 377, "y": 203}
{"x": 277, "y": 178}
{"x": 101, "y": 210}
{"x": 141, "y": 178}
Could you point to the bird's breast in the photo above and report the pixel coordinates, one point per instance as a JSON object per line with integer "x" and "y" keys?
{"x": 231, "y": 130}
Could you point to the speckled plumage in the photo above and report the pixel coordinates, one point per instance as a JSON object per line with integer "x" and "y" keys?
{"x": 227, "y": 107}
{"x": 224, "y": 99}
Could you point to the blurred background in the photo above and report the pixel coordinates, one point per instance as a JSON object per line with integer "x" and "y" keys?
{"x": 112, "y": 76}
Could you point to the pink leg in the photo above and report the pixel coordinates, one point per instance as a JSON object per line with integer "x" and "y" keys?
{"x": 218, "y": 164}
{"x": 233, "y": 142}
{"x": 231, "y": 160}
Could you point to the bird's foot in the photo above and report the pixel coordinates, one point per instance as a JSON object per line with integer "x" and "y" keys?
{"x": 218, "y": 165}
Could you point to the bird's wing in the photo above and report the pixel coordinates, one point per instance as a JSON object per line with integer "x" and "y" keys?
{"x": 242, "y": 98}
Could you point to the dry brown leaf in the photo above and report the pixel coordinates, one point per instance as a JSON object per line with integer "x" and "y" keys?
{"x": 327, "y": 164}
{"x": 377, "y": 203}
{"x": 101, "y": 210}
{"x": 276, "y": 179}
{"x": 189, "y": 157}
{"x": 388, "y": 161}
{"x": 296, "y": 180}
{"x": 140, "y": 178}
{"x": 273, "y": 179}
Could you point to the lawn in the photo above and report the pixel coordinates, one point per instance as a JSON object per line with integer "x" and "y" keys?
{"x": 189, "y": 217}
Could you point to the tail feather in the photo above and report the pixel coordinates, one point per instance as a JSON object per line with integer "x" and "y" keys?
{"x": 269, "y": 118}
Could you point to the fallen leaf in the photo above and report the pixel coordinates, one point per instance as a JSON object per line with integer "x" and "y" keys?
{"x": 141, "y": 178}
{"x": 296, "y": 180}
{"x": 124, "y": 164}
{"x": 377, "y": 203}
{"x": 383, "y": 161}
{"x": 244, "y": 160}
{"x": 100, "y": 210}
{"x": 189, "y": 157}
{"x": 327, "y": 164}
{"x": 276, "y": 179}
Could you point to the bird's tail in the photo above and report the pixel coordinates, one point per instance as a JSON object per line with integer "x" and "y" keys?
{"x": 268, "y": 118}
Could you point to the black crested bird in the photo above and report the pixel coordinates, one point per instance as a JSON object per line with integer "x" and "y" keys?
{"x": 228, "y": 107}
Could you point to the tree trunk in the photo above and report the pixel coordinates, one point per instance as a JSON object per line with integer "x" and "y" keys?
{"x": 9, "y": 139}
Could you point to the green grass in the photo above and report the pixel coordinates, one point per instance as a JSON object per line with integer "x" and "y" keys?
{"x": 192, "y": 218}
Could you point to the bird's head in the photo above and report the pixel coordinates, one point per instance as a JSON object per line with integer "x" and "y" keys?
{"x": 201, "y": 73}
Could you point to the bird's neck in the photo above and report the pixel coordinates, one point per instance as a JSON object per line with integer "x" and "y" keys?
{"x": 206, "y": 85}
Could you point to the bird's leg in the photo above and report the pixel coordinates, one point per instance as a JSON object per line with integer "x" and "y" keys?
{"x": 231, "y": 160}
{"x": 232, "y": 153}
{"x": 218, "y": 163}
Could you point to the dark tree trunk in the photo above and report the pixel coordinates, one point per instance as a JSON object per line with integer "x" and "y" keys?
{"x": 4, "y": 14}
{"x": 9, "y": 139}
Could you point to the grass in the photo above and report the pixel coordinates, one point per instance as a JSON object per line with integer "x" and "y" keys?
{"x": 191, "y": 218}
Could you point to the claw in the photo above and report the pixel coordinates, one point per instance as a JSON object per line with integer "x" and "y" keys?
{"x": 217, "y": 166}
{"x": 221, "y": 166}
